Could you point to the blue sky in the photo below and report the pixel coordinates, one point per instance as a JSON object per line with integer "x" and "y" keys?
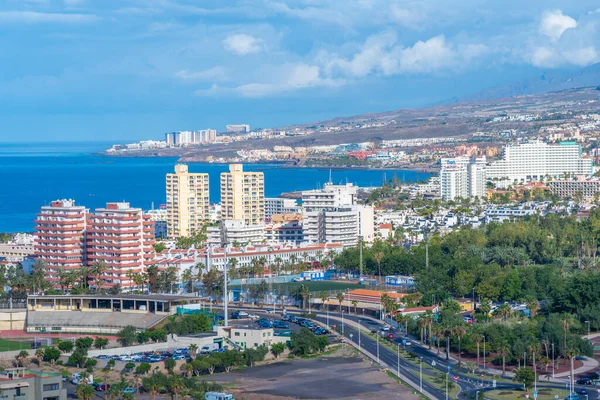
{"x": 134, "y": 69}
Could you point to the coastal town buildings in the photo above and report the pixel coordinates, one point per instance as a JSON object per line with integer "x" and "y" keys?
{"x": 188, "y": 201}
{"x": 121, "y": 238}
{"x": 237, "y": 128}
{"x": 59, "y": 239}
{"x": 279, "y": 205}
{"x": 243, "y": 195}
{"x": 580, "y": 187}
{"x": 538, "y": 160}
{"x": 463, "y": 177}
{"x": 181, "y": 138}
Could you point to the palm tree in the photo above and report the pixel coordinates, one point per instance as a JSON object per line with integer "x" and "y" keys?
{"x": 354, "y": 304}
{"x": 186, "y": 277}
{"x": 438, "y": 331}
{"x": 447, "y": 333}
{"x": 38, "y": 275}
{"x": 504, "y": 350}
{"x": 324, "y": 298}
{"x": 340, "y": 299}
{"x": 378, "y": 257}
{"x": 566, "y": 320}
{"x": 98, "y": 268}
{"x": 460, "y": 331}
{"x": 175, "y": 385}
{"x": 571, "y": 353}
{"x": 193, "y": 349}
{"x": 428, "y": 318}
{"x": 304, "y": 293}
{"x": 421, "y": 323}
{"x": 403, "y": 319}
{"x": 504, "y": 311}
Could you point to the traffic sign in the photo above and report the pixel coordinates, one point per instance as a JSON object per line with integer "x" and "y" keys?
{"x": 433, "y": 364}
{"x": 535, "y": 393}
{"x": 494, "y": 384}
{"x": 556, "y": 396}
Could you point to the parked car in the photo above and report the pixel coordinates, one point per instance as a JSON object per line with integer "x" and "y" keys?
{"x": 178, "y": 357}
{"x": 321, "y": 331}
{"x": 235, "y": 315}
{"x": 286, "y": 317}
{"x": 572, "y": 396}
{"x": 582, "y": 391}
{"x": 129, "y": 390}
{"x": 103, "y": 387}
{"x": 253, "y": 316}
{"x": 243, "y": 314}
{"x": 261, "y": 321}
{"x": 390, "y": 336}
{"x": 281, "y": 324}
{"x": 266, "y": 324}
{"x": 584, "y": 381}
{"x": 270, "y": 311}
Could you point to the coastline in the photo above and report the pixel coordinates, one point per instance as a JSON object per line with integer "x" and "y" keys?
{"x": 424, "y": 168}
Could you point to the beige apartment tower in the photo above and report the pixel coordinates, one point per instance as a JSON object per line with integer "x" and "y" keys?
{"x": 243, "y": 195}
{"x": 188, "y": 202}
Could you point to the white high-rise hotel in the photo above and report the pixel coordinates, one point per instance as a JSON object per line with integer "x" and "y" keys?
{"x": 535, "y": 161}
{"x": 463, "y": 177}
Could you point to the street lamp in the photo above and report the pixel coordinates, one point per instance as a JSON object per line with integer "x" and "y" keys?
{"x": 342, "y": 312}
{"x": 398, "y": 363}
{"x": 552, "y": 360}
{"x": 377, "y": 348}
{"x": 588, "y": 322}
{"x": 484, "y": 352}
{"x": 421, "y": 375}
{"x": 359, "y": 345}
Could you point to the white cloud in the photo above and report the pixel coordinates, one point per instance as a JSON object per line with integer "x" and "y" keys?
{"x": 212, "y": 74}
{"x": 380, "y": 54}
{"x": 545, "y": 57}
{"x": 554, "y": 23}
{"x": 289, "y": 77}
{"x": 32, "y": 17}
{"x": 242, "y": 44}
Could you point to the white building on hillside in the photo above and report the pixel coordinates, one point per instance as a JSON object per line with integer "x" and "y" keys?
{"x": 535, "y": 161}
{"x": 463, "y": 177}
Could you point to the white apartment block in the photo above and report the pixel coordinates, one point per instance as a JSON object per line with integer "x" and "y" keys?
{"x": 342, "y": 225}
{"x": 535, "y": 161}
{"x": 463, "y": 178}
{"x": 237, "y": 128}
{"x": 188, "y": 201}
{"x": 568, "y": 188}
{"x": 190, "y": 137}
{"x": 279, "y": 205}
{"x": 235, "y": 231}
{"x": 330, "y": 196}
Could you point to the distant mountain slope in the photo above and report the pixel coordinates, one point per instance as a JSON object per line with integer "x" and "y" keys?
{"x": 547, "y": 82}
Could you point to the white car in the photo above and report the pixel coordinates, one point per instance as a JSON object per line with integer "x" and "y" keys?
{"x": 253, "y": 316}
{"x": 243, "y": 314}
{"x": 270, "y": 311}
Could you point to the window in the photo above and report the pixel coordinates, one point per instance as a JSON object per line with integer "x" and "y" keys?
{"x": 51, "y": 386}
{"x": 236, "y": 334}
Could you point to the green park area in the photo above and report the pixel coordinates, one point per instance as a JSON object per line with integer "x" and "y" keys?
{"x": 543, "y": 394}
{"x": 9, "y": 345}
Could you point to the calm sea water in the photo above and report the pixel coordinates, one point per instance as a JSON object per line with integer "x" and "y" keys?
{"x": 32, "y": 175}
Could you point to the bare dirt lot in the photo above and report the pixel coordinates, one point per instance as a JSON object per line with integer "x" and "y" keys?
{"x": 321, "y": 378}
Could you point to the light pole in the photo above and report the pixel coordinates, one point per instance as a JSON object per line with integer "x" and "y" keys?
{"x": 588, "y": 322}
{"x": 484, "y": 352}
{"x": 359, "y": 344}
{"x": 328, "y": 317}
{"x": 447, "y": 373}
{"x": 534, "y": 374}
{"x": 225, "y": 292}
{"x": 342, "y": 312}
{"x": 552, "y": 360}
{"x": 377, "y": 348}
{"x": 398, "y": 362}
{"x": 421, "y": 375}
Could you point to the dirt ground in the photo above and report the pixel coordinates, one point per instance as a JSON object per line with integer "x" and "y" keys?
{"x": 339, "y": 376}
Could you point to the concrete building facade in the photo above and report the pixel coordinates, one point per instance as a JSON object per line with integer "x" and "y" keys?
{"x": 121, "y": 237}
{"x": 60, "y": 237}
{"x": 243, "y": 195}
{"x": 536, "y": 161}
{"x": 188, "y": 201}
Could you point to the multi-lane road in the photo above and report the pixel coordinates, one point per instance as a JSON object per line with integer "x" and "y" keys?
{"x": 411, "y": 371}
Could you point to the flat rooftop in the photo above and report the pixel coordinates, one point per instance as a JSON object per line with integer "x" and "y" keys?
{"x": 155, "y": 297}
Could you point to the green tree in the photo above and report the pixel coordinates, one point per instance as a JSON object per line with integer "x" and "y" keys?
{"x": 85, "y": 392}
{"x": 127, "y": 336}
{"x": 143, "y": 368}
{"x": 277, "y": 349}
{"x": 51, "y": 354}
{"x": 170, "y": 364}
{"x": 65, "y": 346}
{"x": 100, "y": 342}
{"x": 525, "y": 376}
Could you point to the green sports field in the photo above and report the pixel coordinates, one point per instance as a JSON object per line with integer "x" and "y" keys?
{"x": 7, "y": 345}
{"x": 317, "y": 286}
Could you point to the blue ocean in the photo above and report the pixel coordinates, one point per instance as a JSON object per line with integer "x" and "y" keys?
{"x": 34, "y": 174}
